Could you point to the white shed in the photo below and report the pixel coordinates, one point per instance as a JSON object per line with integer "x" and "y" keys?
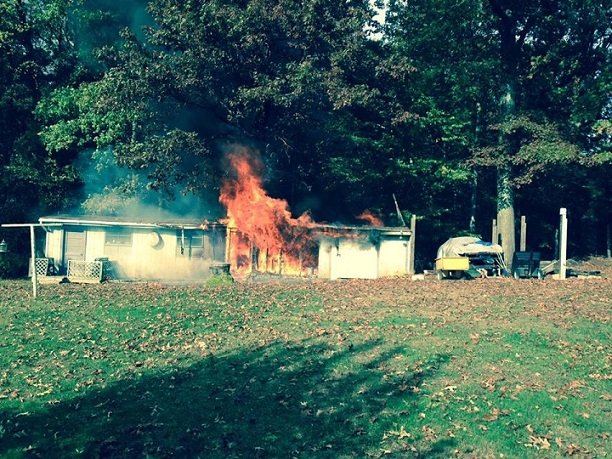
{"x": 366, "y": 252}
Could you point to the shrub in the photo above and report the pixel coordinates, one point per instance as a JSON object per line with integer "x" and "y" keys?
{"x": 13, "y": 265}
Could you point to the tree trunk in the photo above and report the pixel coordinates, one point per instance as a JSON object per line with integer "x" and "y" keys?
{"x": 510, "y": 50}
{"x": 505, "y": 212}
{"x": 505, "y": 189}
{"x": 474, "y": 200}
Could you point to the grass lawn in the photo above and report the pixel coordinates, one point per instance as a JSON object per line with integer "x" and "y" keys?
{"x": 491, "y": 368}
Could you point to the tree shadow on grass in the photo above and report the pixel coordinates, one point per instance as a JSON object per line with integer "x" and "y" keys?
{"x": 306, "y": 399}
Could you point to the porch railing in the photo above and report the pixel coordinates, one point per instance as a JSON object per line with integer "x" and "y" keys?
{"x": 93, "y": 271}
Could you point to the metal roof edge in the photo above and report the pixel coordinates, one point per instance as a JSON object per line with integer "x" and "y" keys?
{"x": 102, "y": 222}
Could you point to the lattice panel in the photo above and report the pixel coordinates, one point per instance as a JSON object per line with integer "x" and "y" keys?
{"x": 85, "y": 269}
{"x": 42, "y": 267}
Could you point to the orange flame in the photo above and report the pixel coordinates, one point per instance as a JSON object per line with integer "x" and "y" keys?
{"x": 369, "y": 217}
{"x": 262, "y": 234}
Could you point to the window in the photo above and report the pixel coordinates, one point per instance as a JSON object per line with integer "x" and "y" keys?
{"x": 196, "y": 239}
{"x": 190, "y": 243}
{"x": 118, "y": 236}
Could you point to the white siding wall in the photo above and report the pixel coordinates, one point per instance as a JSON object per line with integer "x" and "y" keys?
{"x": 393, "y": 258}
{"x": 53, "y": 245}
{"x": 141, "y": 259}
{"x": 325, "y": 254}
{"x": 94, "y": 247}
{"x": 348, "y": 259}
{"x": 360, "y": 259}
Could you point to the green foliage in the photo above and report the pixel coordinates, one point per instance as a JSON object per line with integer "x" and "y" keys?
{"x": 346, "y": 113}
{"x": 35, "y": 57}
{"x": 549, "y": 65}
{"x": 533, "y": 146}
{"x": 258, "y": 72}
{"x": 12, "y": 265}
{"x": 219, "y": 280}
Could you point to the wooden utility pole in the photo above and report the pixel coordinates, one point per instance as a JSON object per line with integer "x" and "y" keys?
{"x": 494, "y": 232}
{"x": 562, "y": 243}
{"x": 523, "y": 243}
{"x": 412, "y": 244}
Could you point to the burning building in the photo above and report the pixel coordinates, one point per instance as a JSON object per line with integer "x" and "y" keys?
{"x": 259, "y": 236}
{"x": 80, "y": 247}
{"x": 264, "y": 237}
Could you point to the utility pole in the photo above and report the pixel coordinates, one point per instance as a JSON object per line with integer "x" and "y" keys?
{"x": 563, "y": 243}
{"x": 523, "y": 242}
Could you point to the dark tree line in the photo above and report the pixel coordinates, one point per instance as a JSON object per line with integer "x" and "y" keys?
{"x": 465, "y": 111}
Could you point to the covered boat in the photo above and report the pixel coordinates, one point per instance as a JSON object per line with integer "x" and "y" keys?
{"x": 459, "y": 256}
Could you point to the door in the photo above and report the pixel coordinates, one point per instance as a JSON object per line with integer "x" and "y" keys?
{"x": 354, "y": 259}
{"x": 74, "y": 245}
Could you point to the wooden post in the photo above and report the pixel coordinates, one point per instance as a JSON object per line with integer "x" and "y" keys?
{"x": 523, "y": 243}
{"x": 228, "y": 244}
{"x": 34, "y": 275}
{"x": 608, "y": 242}
{"x": 412, "y": 244}
{"x": 494, "y": 232}
{"x": 563, "y": 243}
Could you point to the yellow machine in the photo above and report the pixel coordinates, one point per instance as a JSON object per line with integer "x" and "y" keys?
{"x": 452, "y": 267}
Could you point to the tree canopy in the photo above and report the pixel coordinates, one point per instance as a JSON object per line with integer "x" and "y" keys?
{"x": 464, "y": 111}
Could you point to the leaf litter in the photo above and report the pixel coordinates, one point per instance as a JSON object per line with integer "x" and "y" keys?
{"x": 343, "y": 369}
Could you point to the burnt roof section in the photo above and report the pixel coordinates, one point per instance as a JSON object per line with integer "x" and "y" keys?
{"x": 195, "y": 223}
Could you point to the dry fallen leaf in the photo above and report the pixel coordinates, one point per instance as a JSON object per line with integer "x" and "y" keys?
{"x": 403, "y": 433}
{"x": 576, "y": 384}
{"x": 538, "y": 442}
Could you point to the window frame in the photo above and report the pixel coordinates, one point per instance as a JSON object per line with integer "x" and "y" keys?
{"x": 121, "y": 237}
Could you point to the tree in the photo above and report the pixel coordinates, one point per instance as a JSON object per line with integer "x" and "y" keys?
{"x": 269, "y": 74}
{"x": 551, "y": 56}
{"x": 439, "y": 76}
{"x": 36, "y": 55}
{"x": 548, "y": 63}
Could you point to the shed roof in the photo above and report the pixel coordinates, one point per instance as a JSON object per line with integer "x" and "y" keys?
{"x": 386, "y": 230}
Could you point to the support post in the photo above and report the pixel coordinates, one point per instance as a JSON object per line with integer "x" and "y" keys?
{"x": 34, "y": 274}
{"x": 563, "y": 243}
{"x": 280, "y": 262}
{"x": 608, "y": 242}
{"x": 494, "y": 232}
{"x": 228, "y": 244}
{"x": 412, "y": 243}
{"x": 523, "y": 243}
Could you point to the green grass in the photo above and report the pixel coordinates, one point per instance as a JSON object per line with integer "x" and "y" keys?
{"x": 382, "y": 369}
